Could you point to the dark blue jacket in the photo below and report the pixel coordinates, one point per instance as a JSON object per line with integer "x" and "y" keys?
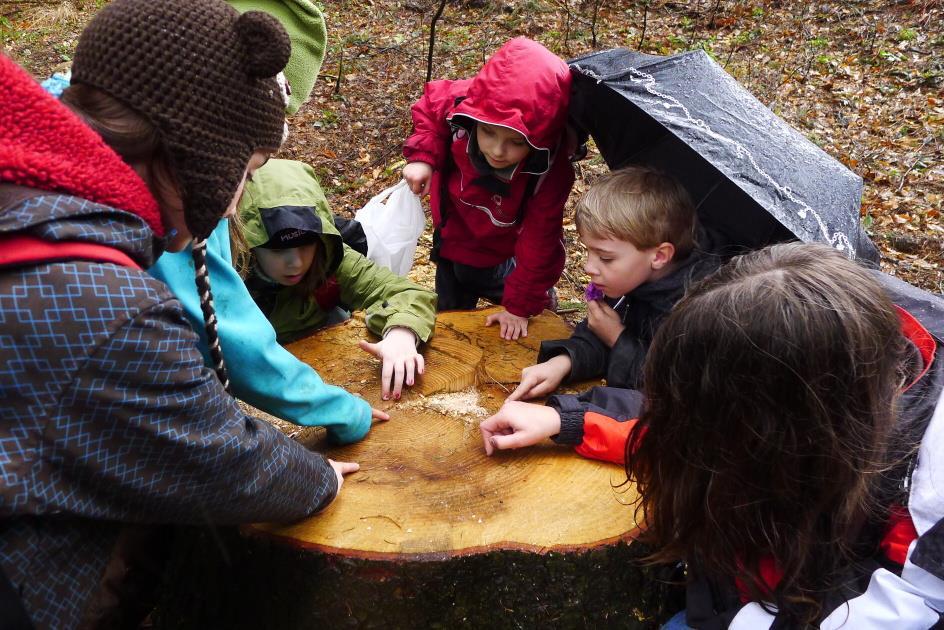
{"x": 109, "y": 418}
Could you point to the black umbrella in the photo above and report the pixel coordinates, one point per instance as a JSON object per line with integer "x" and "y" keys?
{"x": 753, "y": 177}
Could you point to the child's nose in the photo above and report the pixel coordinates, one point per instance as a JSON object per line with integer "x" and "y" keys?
{"x": 293, "y": 258}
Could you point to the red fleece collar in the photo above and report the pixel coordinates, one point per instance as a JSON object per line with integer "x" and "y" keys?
{"x": 43, "y": 145}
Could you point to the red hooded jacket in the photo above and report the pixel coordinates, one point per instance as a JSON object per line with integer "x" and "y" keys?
{"x": 526, "y": 88}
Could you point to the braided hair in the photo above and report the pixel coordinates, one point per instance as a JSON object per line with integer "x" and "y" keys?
{"x": 209, "y": 311}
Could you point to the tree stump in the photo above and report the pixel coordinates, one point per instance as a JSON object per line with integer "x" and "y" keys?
{"x": 431, "y": 532}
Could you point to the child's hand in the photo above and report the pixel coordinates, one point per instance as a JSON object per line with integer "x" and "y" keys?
{"x": 512, "y": 326}
{"x": 418, "y": 175}
{"x": 519, "y": 424}
{"x": 378, "y": 415}
{"x": 543, "y": 378}
{"x": 604, "y": 322}
{"x": 401, "y": 361}
{"x": 341, "y": 469}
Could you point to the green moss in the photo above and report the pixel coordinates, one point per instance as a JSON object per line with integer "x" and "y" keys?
{"x": 907, "y": 35}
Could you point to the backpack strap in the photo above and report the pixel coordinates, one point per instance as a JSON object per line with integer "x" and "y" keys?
{"x": 528, "y": 193}
{"x": 22, "y": 249}
{"x": 352, "y": 233}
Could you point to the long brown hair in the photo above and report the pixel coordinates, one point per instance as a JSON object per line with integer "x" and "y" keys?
{"x": 239, "y": 249}
{"x": 770, "y": 396}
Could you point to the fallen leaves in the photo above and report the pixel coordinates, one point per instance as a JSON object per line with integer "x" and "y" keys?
{"x": 861, "y": 79}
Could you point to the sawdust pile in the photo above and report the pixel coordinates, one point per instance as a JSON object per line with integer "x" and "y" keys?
{"x": 464, "y": 405}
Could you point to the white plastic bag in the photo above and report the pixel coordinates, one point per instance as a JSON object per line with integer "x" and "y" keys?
{"x": 393, "y": 222}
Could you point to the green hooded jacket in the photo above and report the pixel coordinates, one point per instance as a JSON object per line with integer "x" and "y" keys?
{"x": 287, "y": 193}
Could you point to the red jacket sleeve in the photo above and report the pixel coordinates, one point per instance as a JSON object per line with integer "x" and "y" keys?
{"x": 539, "y": 252}
{"x": 431, "y": 132}
{"x": 599, "y": 421}
{"x": 605, "y": 438}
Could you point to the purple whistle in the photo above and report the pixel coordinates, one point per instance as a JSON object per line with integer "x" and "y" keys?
{"x": 593, "y": 292}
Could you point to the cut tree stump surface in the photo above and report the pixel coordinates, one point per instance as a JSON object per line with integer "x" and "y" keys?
{"x": 431, "y": 533}
{"x": 425, "y": 487}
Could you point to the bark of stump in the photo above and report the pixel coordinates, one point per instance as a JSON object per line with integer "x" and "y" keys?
{"x": 431, "y": 532}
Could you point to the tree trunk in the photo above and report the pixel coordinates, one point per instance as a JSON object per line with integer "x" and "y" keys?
{"x": 431, "y": 532}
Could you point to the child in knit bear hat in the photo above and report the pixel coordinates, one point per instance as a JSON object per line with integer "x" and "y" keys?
{"x": 111, "y": 419}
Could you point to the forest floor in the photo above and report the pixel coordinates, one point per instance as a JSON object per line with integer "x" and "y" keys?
{"x": 862, "y": 79}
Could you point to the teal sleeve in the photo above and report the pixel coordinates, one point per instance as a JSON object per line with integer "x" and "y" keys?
{"x": 262, "y": 372}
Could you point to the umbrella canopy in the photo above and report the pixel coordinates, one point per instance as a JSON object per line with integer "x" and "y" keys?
{"x": 752, "y": 176}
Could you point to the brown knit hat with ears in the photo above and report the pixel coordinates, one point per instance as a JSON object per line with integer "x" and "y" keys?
{"x": 204, "y": 76}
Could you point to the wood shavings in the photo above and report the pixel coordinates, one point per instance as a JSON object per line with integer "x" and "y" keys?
{"x": 463, "y": 405}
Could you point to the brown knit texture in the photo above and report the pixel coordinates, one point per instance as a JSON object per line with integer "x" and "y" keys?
{"x": 204, "y": 76}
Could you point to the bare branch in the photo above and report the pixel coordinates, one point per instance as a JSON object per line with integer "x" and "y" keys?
{"x": 711, "y": 17}
{"x": 645, "y": 21}
{"x": 432, "y": 39}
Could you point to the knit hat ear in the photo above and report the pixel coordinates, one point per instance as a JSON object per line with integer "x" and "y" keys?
{"x": 305, "y": 25}
{"x": 204, "y": 77}
{"x": 267, "y": 50}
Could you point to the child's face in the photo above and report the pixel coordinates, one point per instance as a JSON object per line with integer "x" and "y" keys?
{"x": 285, "y": 266}
{"x": 617, "y": 266}
{"x": 502, "y": 147}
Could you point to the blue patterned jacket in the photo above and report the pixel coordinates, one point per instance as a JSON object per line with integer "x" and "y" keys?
{"x": 109, "y": 416}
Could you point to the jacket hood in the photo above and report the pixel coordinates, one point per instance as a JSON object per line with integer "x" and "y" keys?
{"x": 284, "y": 196}
{"x": 524, "y": 87}
{"x": 43, "y": 145}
